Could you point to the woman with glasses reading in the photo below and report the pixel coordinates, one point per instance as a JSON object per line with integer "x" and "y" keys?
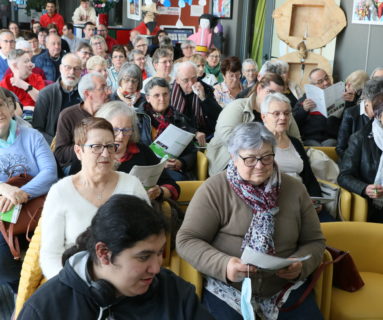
{"x": 73, "y": 201}
{"x": 252, "y": 204}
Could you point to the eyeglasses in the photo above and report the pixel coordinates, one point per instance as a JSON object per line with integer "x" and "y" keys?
{"x": 99, "y": 148}
{"x": 142, "y": 45}
{"x": 252, "y": 161}
{"x": 131, "y": 80}
{"x": 158, "y": 95}
{"x": 188, "y": 47}
{"x": 97, "y": 43}
{"x": 118, "y": 57}
{"x": 99, "y": 31}
{"x": 87, "y": 53}
{"x": 166, "y": 61}
{"x": 214, "y": 57}
{"x": 320, "y": 81}
{"x": 70, "y": 68}
{"x": 9, "y": 41}
{"x": 123, "y": 131}
{"x": 186, "y": 81}
{"x": 103, "y": 88}
{"x": 277, "y": 114}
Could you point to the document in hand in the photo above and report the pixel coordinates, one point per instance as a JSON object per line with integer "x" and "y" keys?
{"x": 172, "y": 142}
{"x": 266, "y": 261}
{"x": 11, "y": 215}
{"x": 325, "y": 98}
{"x": 148, "y": 175}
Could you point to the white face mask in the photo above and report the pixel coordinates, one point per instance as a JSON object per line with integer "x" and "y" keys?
{"x": 246, "y": 306}
{"x": 204, "y": 23}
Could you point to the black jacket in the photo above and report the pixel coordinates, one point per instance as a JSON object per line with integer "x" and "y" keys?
{"x": 352, "y": 121}
{"x": 360, "y": 161}
{"x": 67, "y": 296}
{"x": 314, "y": 126}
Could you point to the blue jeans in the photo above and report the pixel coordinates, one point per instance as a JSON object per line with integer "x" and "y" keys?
{"x": 307, "y": 310}
{"x": 10, "y": 268}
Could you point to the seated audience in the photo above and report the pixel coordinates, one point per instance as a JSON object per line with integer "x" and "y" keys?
{"x": 114, "y": 270}
{"x": 52, "y": 29}
{"x": 249, "y": 72}
{"x": 102, "y": 31}
{"x": 58, "y": 96}
{"x": 377, "y": 73}
{"x": 187, "y": 47}
{"x": 34, "y": 42}
{"x": 131, "y": 152}
{"x": 93, "y": 92}
{"x": 138, "y": 58}
{"x": 362, "y": 164}
{"x": 141, "y": 43}
{"x": 163, "y": 63}
{"x": 155, "y": 41}
{"x": 50, "y": 60}
{"x": 161, "y": 114}
{"x": 357, "y": 117}
{"x": 98, "y": 64}
{"x": 196, "y": 100}
{"x": 242, "y": 111}
{"x": 52, "y": 17}
{"x": 100, "y": 48}
{"x": 21, "y": 81}
{"x": 42, "y": 36}
{"x": 118, "y": 59}
{"x": 70, "y": 38}
{"x": 14, "y": 28}
{"x": 84, "y": 52}
{"x": 292, "y": 90}
{"x": 36, "y": 26}
{"x": 354, "y": 86}
{"x": 200, "y": 62}
{"x": 14, "y": 103}
{"x": 21, "y": 148}
{"x": 213, "y": 64}
{"x": 252, "y": 204}
{"x": 7, "y": 43}
{"x": 226, "y": 91}
{"x": 129, "y": 86}
{"x": 73, "y": 201}
{"x": 89, "y": 32}
{"x": 84, "y": 13}
{"x": 290, "y": 154}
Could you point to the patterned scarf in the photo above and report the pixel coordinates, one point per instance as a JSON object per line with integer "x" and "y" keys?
{"x": 216, "y": 71}
{"x": 178, "y": 100}
{"x": 160, "y": 121}
{"x": 263, "y": 201}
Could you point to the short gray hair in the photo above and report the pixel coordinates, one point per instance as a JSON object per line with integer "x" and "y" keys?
{"x": 188, "y": 43}
{"x": 156, "y": 81}
{"x": 87, "y": 83}
{"x": 139, "y": 38}
{"x": 112, "y": 109}
{"x": 372, "y": 88}
{"x": 130, "y": 70}
{"x": 160, "y": 53}
{"x": 133, "y": 53}
{"x": 271, "y": 67}
{"x": 250, "y": 135}
{"x": 15, "y": 54}
{"x": 375, "y": 71}
{"x": 6, "y": 31}
{"x": 185, "y": 64}
{"x": 251, "y": 62}
{"x": 273, "y": 97}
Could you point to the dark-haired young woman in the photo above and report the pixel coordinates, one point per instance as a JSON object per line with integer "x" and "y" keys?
{"x": 114, "y": 272}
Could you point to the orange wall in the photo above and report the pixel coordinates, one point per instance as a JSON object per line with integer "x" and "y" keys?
{"x": 186, "y": 19}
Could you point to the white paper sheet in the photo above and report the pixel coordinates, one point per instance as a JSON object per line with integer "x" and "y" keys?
{"x": 266, "y": 261}
{"x": 148, "y": 175}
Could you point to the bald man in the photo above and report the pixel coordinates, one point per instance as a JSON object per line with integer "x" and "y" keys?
{"x": 50, "y": 60}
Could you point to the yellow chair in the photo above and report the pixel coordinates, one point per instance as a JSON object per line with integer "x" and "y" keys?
{"x": 359, "y": 208}
{"x": 364, "y": 241}
{"x": 202, "y": 166}
{"x": 329, "y": 151}
{"x": 323, "y": 288}
{"x": 188, "y": 189}
{"x": 31, "y": 275}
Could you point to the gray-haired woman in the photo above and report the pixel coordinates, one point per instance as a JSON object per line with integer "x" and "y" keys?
{"x": 250, "y": 73}
{"x": 252, "y": 204}
{"x": 129, "y": 85}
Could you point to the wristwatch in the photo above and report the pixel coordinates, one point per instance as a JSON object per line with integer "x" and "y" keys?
{"x": 29, "y": 88}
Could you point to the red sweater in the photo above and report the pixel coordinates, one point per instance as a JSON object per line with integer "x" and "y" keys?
{"x": 35, "y": 80}
{"x": 57, "y": 19}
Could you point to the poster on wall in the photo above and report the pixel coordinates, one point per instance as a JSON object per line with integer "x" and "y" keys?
{"x": 223, "y": 8}
{"x": 367, "y": 12}
{"x": 134, "y": 9}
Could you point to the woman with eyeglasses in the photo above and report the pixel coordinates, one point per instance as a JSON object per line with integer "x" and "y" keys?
{"x": 290, "y": 154}
{"x": 137, "y": 57}
{"x": 252, "y": 204}
{"x": 100, "y": 48}
{"x": 226, "y": 91}
{"x": 213, "y": 64}
{"x": 131, "y": 152}
{"x": 118, "y": 59}
{"x": 73, "y": 201}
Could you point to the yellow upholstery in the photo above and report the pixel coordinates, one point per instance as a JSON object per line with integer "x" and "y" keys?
{"x": 323, "y": 288}
{"x": 53, "y": 144}
{"x": 359, "y": 208}
{"x": 345, "y": 201}
{"x": 364, "y": 242}
{"x": 166, "y": 210}
{"x": 31, "y": 275}
{"x": 202, "y": 166}
{"x": 329, "y": 151}
{"x": 188, "y": 189}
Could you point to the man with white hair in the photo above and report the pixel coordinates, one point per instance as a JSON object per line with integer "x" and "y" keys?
{"x": 21, "y": 81}
{"x": 7, "y": 43}
{"x": 377, "y": 72}
{"x": 196, "y": 100}
{"x": 58, "y": 96}
{"x": 50, "y": 60}
{"x": 93, "y": 92}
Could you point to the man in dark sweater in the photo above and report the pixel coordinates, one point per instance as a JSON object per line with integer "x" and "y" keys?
{"x": 57, "y": 96}
{"x": 196, "y": 100}
{"x": 93, "y": 91}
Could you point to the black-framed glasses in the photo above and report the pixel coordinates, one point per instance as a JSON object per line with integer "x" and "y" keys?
{"x": 98, "y": 148}
{"x": 252, "y": 161}
{"x": 124, "y": 131}
{"x": 277, "y": 114}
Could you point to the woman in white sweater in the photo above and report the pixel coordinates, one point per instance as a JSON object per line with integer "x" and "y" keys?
{"x": 73, "y": 201}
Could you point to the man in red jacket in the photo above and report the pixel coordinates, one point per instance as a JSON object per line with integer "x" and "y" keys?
{"x": 52, "y": 17}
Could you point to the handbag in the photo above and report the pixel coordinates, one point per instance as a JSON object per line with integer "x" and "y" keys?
{"x": 29, "y": 216}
